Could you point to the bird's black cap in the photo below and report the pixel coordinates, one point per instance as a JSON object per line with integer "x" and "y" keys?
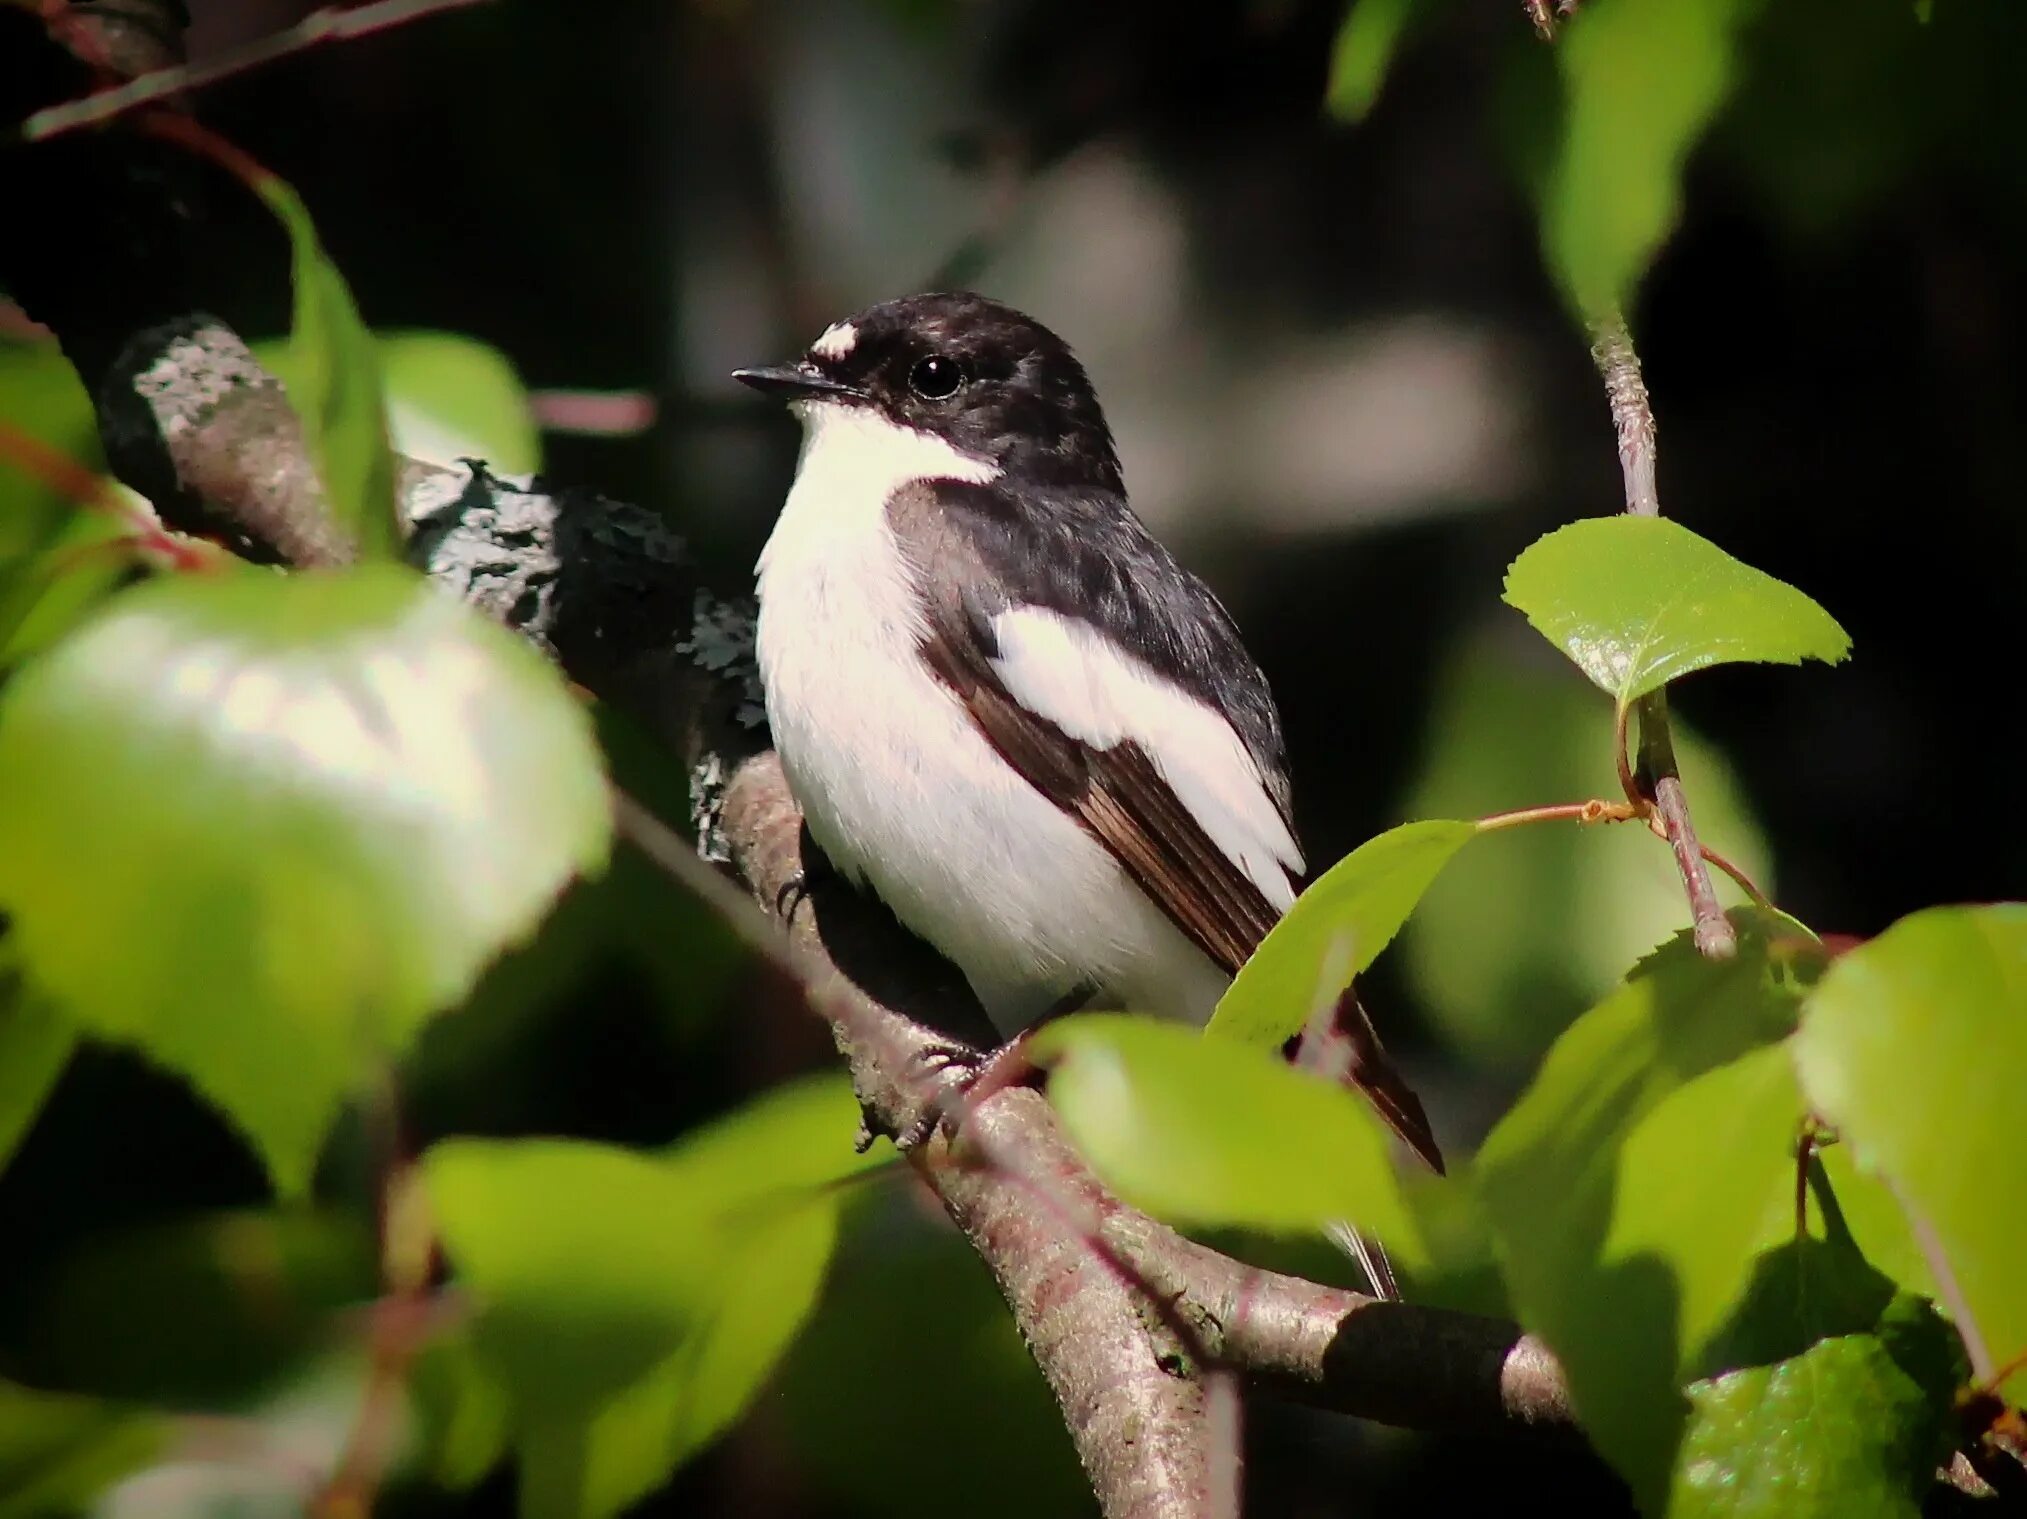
{"x": 993, "y": 382}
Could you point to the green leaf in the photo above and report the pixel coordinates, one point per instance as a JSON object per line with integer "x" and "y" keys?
{"x": 35, "y": 1046}
{"x": 1335, "y": 930}
{"x": 57, "y": 1452}
{"x": 1366, "y": 43}
{"x": 1624, "y": 1259}
{"x": 340, "y": 401}
{"x": 40, "y": 395}
{"x": 1640, "y": 601}
{"x": 1545, "y": 918}
{"x": 263, "y": 828}
{"x": 1915, "y": 1047}
{"x": 1850, "y": 1421}
{"x": 460, "y": 1414}
{"x": 449, "y": 397}
{"x": 631, "y": 1305}
{"x": 1641, "y": 81}
{"x": 51, "y": 592}
{"x": 1199, "y": 1132}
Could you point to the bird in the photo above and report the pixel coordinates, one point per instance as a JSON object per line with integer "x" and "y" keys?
{"x": 1003, "y": 705}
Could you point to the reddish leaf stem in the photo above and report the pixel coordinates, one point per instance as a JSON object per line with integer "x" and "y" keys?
{"x": 1596, "y": 810}
{"x": 94, "y": 492}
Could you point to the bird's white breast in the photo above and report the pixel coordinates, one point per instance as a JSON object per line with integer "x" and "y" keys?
{"x": 898, "y": 786}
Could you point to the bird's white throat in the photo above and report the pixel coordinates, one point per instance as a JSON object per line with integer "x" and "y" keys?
{"x": 852, "y": 460}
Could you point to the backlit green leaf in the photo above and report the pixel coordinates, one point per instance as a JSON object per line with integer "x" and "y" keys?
{"x": 1848, "y": 1424}
{"x": 1624, "y": 1258}
{"x": 1202, "y": 1132}
{"x": 1915, "y": 1047}
{"x": 1640, "y": 601}
{"x": 263, "y": 828}
{"x": 630, "y": 1305}
{"x": 1335, "y": 930}
{"x": 40, "y": 395}
{"x": 340, "y": 399}
{"x": 449, "y": 397}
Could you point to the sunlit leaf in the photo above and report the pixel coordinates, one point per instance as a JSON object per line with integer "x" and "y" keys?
{"x": 1641, "y": 81}
{"x": 1640, "y": 601}
{"x": 449, "y": 397}
{"x": 340, "y": 399}
{"x": 1851, "y": 1419}
{"x": 1915, "y": 1047}
{"x": 1202, "y": 1132}
{"x": 1624, "y": 1259}
{"x": 1335, "y": 930}
{"x": 263, "y": 828}
{"x": 632, "y": 1304}
{"x": 460, "y": 1413}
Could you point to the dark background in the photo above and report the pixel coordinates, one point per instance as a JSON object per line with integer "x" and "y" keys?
{"x": 1346, "y": 390}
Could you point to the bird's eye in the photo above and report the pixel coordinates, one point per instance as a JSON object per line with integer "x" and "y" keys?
{"x": 936, "y": 378}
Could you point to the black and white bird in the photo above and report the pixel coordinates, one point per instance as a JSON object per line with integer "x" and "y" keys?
{"x": 1002, "y": 704}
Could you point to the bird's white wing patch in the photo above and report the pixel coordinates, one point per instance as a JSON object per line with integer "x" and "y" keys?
{"x": 1099, "y": 694}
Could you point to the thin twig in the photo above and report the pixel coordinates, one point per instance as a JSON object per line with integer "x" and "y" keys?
{"x": 1633, "y": 420}
{"x": 332, "y": 24}
{"x": 402, "y": 1319}
{"x": 1744, "y": 882}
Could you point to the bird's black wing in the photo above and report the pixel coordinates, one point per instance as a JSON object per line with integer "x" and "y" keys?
{"x": 979, "y": 556}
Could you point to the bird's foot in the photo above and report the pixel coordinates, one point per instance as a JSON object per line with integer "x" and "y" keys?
{"x": 964, "y": 1077}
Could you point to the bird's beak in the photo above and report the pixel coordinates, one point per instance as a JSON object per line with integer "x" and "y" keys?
{"x": 795, "y": 382}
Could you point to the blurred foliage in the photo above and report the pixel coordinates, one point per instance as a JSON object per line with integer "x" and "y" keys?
{"x": 1198, "y": 1132}
{"x": 623, "y": 1345}
{"x": 1912, "y": 1047}
{"x": 57, "y": 1453}
{"x": 339, "y": 394}
{"x": 200, "y": 879}
{"x": 1336, "y": 929}
{"x": 1626, "y": 1273}
{"x": 420, "y": 784}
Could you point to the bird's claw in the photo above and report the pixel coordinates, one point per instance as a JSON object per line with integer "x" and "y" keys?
{"x": 964, "y": 1077}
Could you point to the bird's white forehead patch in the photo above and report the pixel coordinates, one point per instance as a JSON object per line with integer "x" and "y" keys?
{"x": 837, "y": 341}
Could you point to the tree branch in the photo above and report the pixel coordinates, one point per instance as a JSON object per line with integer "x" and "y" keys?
{"x": 1633, "y": 418}
{"x": 191, "y": 420}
